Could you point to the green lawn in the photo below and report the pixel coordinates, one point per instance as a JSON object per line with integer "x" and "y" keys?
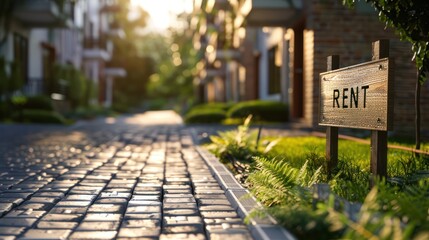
{"x": 282, "y": 179}
{"x": 296, "y": 150}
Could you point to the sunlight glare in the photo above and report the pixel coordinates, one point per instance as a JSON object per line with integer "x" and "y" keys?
{"x": 162, "y": 12}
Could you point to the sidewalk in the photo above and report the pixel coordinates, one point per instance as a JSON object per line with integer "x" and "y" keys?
{"x": 135, "y": 177}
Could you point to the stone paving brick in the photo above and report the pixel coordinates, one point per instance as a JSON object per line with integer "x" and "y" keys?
{"x": 29, "y": 213}
{"x": 56, "y": 225}
{"x": 114, "y": 183}
{"x": 80, "y": 197}
{"x": 236, "y": 234}
{"x": 13, "y": 201}
{"x": 172, "y": 206}
{"x": 133, "y": 203}
{"x": 111, "y": 201}
{"x": 105, "y": 235}
{"x": 90, "y": 190}
{"x": 43, "y": 200}
{"x": 106, "y": 208}
{"x": 212, "y": 196}
{"x": 219, "y": 214}
{"x": 139, "y": 232}
{"x": 23, "y": 195}
{"x": 143, "y": 209}
{"x": 99, "y": 225}
{"x": 35, "y": 206}
{"x": 66, "y": 203}
{"x": 68, "y": 210}
{"x": 136, "y": 223}
{"x": 114, "y": 194}
{"x": 178, "y": 191}
{"x": 217, "y": 221}
{"x": 5, "y": 237}
{"x": 156, "y": 216}
{"x": 11, "y": 231}
{"x": 102, "y": 217}
{"x": 62, "y": 217}
{"x": 211, "y": 201}
{"x": 182, "y": 236}
{"x": 216, "y": 208}
{"x": 181, "y": 212}
{"x": 17, "y": 222}
{"x": 41, "y": 234}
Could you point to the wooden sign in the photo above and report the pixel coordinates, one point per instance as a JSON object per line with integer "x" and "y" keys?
{"x": 358, "y": 96}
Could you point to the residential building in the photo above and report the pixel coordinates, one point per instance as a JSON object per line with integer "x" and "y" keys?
{"x": 98, "y": 27}
{"x": 28, "y": 48}
{"x": 284, "y": 45}
{"x": 44, "y": 33}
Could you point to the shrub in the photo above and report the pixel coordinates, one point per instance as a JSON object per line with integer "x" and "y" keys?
{"x": 4, "y": 110}
{"x": 39, "y": 116}
{"x": 217, "y": 105}
{"x": 269, "y": 111}
{"x": 205, "y": 116}
{"x": 90, "y": 113}
{"x": 38, "y": 103}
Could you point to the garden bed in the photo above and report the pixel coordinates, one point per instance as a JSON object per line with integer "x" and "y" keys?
{"x": 287, "y": 176}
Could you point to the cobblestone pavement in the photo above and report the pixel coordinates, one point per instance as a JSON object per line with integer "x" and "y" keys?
{"x": 136, "y": 177}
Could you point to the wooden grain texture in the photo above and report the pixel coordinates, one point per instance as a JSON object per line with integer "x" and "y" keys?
{"x": 368, "y": 108}
{"x": 333, "y": 63}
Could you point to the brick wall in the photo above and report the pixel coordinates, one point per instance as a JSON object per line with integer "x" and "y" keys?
{"x": 332, "y": 29}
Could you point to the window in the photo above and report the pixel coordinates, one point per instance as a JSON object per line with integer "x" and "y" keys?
{"x": 273, "y": 72}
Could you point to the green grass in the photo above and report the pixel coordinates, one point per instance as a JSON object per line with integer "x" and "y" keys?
{"x": 281, "y": 178}
{"x": 353, "y": 171}
{"x": 297, "y": 149}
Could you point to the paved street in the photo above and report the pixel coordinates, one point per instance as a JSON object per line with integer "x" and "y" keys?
{"x": 134, "y": 177}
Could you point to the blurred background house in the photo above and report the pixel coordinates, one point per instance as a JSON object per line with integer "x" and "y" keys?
{"x": 275, "y": 50}
{"x": 59, "y": 48}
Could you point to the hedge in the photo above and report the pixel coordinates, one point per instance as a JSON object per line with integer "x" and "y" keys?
{"x": 216, "y": 105}
{"x": 39, "y": 116}
{"x": 205, "y": 116}
{"x": 38, "y": 102}
{"x": 269, "y": 111}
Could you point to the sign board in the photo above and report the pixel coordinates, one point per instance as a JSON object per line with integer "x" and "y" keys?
{"x": 358, "y": 96}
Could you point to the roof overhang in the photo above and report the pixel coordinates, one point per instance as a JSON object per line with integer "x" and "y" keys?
{"x": 40, "y": 13}
{"x": 274, "y": 13}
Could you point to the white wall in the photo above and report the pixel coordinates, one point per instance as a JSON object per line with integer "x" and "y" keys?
{"x": 35, "y": 57}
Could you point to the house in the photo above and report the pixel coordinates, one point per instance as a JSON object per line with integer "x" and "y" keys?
{"x": 283, "y": 47}
{"x": 28, "y": 48}
{"x": 45, "y": 33}
{"x": 98, "y": 28}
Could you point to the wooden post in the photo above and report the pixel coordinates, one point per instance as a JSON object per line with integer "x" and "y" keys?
{"x": 333, "y": 62}
{"x": 380, "y": 49}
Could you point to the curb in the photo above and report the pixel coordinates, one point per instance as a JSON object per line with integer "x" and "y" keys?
{"x": 241, "y": 199}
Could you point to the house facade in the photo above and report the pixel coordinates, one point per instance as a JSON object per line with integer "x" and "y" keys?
{"x": 44, "y": 33}
{"x": 283, "y": 47}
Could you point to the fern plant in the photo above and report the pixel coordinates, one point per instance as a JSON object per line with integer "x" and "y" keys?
{"x": 236, "y": 148}
{"x": 275, "y": 182}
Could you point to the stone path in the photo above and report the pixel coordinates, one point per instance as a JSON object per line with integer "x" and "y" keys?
{"x": 136, "y": 177}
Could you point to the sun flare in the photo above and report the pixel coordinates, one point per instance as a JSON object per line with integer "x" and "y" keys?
{"x": 162, "y": 12}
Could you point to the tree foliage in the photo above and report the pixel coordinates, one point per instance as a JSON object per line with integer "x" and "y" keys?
{"x": 174, "y": 77}
{"x": 410, "y": 20}
{"x": 130, "y": 91}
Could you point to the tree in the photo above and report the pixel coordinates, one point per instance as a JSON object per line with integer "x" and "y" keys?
{"x": 130, "y": 90}
{"x": 174, "y": 77}
{"x": 409, "y": 18}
